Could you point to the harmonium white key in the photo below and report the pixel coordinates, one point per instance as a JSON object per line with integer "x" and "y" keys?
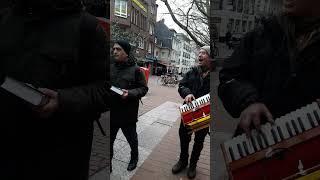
{"x": 316, "y": 112}
{"x": 280, "y": 125}
{"x": 247, "y": 144}
{"x": 291, "y": 125}
{"x": 240, "y": 151}
{"x": 235, "y": 149}
{"x": 266, "y": 130}
{"x": 302, "y": 119}
{"x": 244, "y": 147}
{"x": 256, "y": 140}
{"x": 276, "y": 134}
{"x": 229, "y": 151}
{"x": 310, "y": 115}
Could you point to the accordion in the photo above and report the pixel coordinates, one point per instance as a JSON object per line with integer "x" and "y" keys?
{"x": 196, "y": 115}
{"x": 285, "y": 150}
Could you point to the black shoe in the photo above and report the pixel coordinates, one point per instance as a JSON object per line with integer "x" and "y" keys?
{"x": 191, "y": 172}
{"x": 179, "y": 166}
{"x": 132, "y": 164}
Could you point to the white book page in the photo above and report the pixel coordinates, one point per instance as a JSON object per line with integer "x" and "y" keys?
{"x": 116, "y": 90}
{"x": 19, "y": 89}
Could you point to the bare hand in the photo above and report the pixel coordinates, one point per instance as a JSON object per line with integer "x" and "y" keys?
{"x": 125, "y": 94}
{"x": 48, "y": 109}
{"x": 253, "y": 114}
{"x": 189, "y": 98}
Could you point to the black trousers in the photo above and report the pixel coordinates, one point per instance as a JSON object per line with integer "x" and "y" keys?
{"x": 185, "y": 139}
{"x": 131, "y": 135}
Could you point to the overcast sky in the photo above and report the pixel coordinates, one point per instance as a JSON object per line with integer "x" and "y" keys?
{"x": 163, "y": 13}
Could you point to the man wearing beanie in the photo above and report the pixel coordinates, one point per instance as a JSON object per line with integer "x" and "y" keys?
{"x": 126, "y": 75}
{"x": 194, "y": 84}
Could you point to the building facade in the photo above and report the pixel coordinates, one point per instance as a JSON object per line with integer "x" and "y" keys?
{"x": 175, "y": 51}
{"x": 241, "y": 16}
{"x": 187, "y": 57}
{"x": 138, "y": 17}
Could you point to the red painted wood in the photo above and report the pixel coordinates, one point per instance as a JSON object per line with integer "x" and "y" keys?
{"x": 274, "y": 168}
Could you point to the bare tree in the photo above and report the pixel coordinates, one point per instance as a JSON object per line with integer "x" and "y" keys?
{"x": 193, "y": 17}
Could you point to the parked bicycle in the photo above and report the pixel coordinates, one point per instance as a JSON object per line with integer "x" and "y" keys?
{"x": 168, "y": 80}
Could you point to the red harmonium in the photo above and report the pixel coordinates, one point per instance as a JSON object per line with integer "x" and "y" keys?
{"x": 196, "y": 115}
{"x": 289, "y": 147}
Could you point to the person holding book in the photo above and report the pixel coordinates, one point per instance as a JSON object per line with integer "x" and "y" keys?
{"x": 126, "y": 75}
{"x": 52, "y": 46}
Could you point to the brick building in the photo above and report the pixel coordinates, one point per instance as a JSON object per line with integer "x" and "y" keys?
{"x": 138, "y": 17}
{"x": 241, "y": 16}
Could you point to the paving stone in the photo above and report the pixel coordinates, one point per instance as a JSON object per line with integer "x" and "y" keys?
{"x": 152, "y": 135}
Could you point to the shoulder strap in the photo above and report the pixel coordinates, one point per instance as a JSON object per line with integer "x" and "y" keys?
{"x": 136, "y": 72}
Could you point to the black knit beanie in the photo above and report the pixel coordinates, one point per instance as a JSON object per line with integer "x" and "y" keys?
{"x": 125, "y": 46}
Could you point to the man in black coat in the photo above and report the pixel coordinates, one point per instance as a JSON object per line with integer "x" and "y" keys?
{"x": 53, "y": 45}
{"x": 126, "y": 75}
{"x": 195, "y": 83}
{"x": 276, "y": 68}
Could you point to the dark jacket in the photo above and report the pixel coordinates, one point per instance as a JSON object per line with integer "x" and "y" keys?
{"x": 263, "y": 70}
{"x": 67, "y": 53}
{"x": 193, "y": 83}
{"x": 124, "y": 112}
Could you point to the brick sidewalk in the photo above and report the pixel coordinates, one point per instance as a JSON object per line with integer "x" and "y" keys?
{"x": 159, "y": 163}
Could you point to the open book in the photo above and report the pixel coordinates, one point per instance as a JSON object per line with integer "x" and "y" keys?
{"x": 24, "y": 91}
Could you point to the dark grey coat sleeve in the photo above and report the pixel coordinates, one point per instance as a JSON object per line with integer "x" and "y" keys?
{"x": 184, "y": 86}
{"x": 141, "y": 85}
{"x": 235, "y": 89}
{"x": 93, "y": 96}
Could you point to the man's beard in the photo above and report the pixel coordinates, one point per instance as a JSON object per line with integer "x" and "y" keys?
{"x": 204, "y": 68}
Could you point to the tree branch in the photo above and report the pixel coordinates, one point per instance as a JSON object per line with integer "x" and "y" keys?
{"x": 202, "y": 11}
{"x": 181, "y": 25}
{"x": 189, "y": 12}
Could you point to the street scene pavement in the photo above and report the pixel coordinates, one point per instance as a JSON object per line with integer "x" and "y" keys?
{"x": 157, "y": 129}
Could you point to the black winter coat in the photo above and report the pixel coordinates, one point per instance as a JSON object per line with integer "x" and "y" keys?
{"x": 51, "y": 52}
{"x": 261, "y": 70}
{"x": 193, "y": 83}
{"x": 124, "y": 112}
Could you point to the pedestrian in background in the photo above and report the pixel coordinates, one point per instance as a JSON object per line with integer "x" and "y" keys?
{"x": 126, "y": 75}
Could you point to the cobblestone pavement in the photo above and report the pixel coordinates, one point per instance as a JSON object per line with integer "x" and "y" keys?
{"x": 159, "y": 163}
{"x": 158, "y": 95}
{"x": 157, "y": 115}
